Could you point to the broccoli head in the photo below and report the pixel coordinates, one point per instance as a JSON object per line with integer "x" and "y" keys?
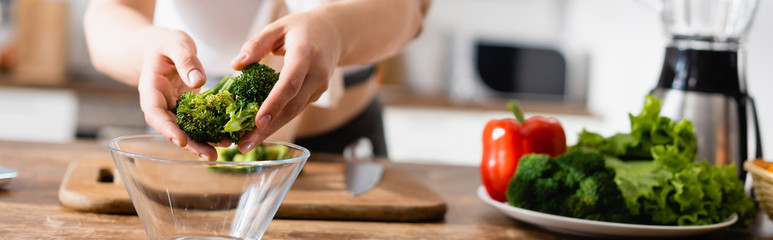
{"x": 201, "y": 116}
{"x": 576, "y": 184}
{"x": 260, "y": 152}
{"x": 241, "y": 119}
{"x": 255, "y": 83}
{"x": 227, "y": 110}
{"x": 537, "y": 184}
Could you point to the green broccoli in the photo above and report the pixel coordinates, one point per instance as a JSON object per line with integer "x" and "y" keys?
{"x": 255, "y": 83}
{"x": 202, "y": 116}
{"x": 259, "y": 153}
{"x": 241, "y": 119}
{"x": 276, "y": 152}
{"x": 576, "y": 184}
{"x": 227, "y": 110}
{"x": 537, "y": 184}
{"x": 227, "y": 154}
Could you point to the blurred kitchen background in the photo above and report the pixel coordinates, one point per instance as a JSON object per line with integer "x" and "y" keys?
{"x": 586, "y": 62}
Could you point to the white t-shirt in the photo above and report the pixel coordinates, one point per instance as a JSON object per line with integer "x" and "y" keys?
{"x": 220, "y": 27}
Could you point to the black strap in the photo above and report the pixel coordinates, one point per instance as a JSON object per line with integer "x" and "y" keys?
{"x": 369, "y": 124}
{"x": 359, "y": 76}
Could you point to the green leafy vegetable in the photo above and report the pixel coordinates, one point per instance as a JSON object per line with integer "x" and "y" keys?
{"x": 661, "y": 179}
{"x": 202, "y": 116}
{"x": 258, "y": 153}
{"x": 649, "y": 176}
{"x": 576, "y": 184}
{"x": 227, "y": 110}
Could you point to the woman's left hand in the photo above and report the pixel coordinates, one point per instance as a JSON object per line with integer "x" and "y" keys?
{"x": 311, "y": 46}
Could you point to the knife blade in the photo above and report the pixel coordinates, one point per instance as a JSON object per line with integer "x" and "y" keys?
{"x": 6, "y": 174}
{"x": 361, "y": 174}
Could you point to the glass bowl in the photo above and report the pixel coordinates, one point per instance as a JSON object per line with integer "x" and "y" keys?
{"x": 179, "y": 196}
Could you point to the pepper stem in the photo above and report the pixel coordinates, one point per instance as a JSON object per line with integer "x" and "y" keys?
{"x": 514, "y": 107}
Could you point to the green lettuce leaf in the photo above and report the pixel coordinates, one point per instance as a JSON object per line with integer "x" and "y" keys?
{"x": 659, "y": 176}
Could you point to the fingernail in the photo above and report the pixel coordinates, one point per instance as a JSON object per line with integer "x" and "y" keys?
{"x": 247, "y": 147}
{"x": 195, "y": 77}
{"x": 204, "y": 156}
{"x": 176, "y": 141}
{"x": 264, "y": 121}
{"x": 239, "y": 58}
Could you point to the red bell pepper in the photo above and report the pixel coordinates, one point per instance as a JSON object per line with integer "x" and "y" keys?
{"x": 506, "y": 140}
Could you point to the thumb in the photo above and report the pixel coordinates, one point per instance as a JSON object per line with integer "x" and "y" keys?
{"x": 182, "y": 52}
{"x": 270, "y": 39}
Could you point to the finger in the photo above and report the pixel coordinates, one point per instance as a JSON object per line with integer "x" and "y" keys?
{"x": 251, "y": 139}
{"x": 182, "y": 52}
{"x": 153, "y": 105}
{"x": 290, "y": 82}
{"x": 203, "y": 150}
{"x": 268, "y": 40}
{"x": 223, "y": 143}
{"x": 288, "y": 112}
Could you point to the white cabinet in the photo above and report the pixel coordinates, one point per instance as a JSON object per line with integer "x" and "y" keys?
{"x": 44, "y": 115}
{"x": 448, "y": 136}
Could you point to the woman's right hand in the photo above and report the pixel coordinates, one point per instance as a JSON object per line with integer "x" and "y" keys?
{"x": 170, "y": 67}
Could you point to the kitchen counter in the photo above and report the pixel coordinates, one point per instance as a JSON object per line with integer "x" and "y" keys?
{"x": 401, "y": 96}
{"x": 30, "y": 209}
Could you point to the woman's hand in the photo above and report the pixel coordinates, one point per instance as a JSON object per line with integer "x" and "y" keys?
{"x": 170, "y": 68}
{"x": 311, "y": 47}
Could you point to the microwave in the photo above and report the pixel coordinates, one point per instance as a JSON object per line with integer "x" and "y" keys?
{"x": 484, "y": 69}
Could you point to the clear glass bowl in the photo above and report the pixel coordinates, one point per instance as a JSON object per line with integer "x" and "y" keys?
{"x": 178, "y": 196}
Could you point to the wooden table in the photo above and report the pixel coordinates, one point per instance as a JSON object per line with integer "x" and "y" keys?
{"x": 30, "y": 209}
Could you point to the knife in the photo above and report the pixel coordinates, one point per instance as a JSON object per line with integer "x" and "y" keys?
{"x": 361, "y": 173}
{"x": 6, "y": 174}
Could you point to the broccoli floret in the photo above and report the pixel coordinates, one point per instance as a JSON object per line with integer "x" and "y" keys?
{"x": 241, "y": 119}
{"x": 227, "y": 110}
{"x": 251, "y": 89}
{"x": 277, "y": 152}
{"x": 226, "y": 154}
{"x": 576, "y": 184}
{"x": 255, "y": 83}
{"x": 259, "y": 153}
{"x": 537, "y": 184}
{"x": 201, "y": 116}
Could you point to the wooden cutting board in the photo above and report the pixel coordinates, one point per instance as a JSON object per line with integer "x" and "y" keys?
{"x": 91, "y": 185}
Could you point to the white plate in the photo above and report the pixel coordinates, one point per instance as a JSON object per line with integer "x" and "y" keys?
{"x": 599, "y": 228}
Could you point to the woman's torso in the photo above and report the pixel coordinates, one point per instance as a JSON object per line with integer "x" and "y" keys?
{"x": 219, "y": 28}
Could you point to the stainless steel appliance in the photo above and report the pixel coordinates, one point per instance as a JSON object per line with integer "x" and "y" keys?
{"x": 703, "y": 76}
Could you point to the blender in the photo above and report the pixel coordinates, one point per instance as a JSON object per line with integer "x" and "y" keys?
{"x": 704, "y": 77}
